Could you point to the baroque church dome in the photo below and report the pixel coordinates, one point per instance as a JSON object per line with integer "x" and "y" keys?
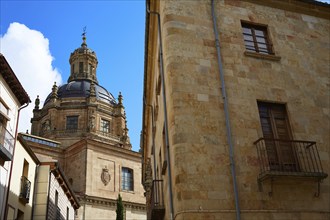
{"x": 83, "y": 62}
{"x": 81, "y": 89}
{"x": 81, "y": 108}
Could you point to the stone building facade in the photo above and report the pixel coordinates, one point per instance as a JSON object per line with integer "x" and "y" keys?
{"x": 245, "y": 130}
{"x": 93, "y": 147}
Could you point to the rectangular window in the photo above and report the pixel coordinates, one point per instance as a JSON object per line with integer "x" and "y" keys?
{"x": 56, "y": 198}
{"x": 91, "y": 68}
{"x": 81, "y": 66}
{"x": 105, "y": 126}
{"x": 71, "y": 122}
{"x": 20, "y": 215}
{"x": 3, "y": 123}
{"x": 256, "y": 38}
{"x": 127, "y": 179}
{"x": 24, "y": 195}
{"x": 276, "y": 131}
{"x": 67, "y": 213}
{"x": 58, "y": 210}
{"x": 72, "y": 68}
{"x": 3, "y": 107}
{"x": 25, "y": 172}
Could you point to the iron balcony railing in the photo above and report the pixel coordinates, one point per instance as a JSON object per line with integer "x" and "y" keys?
{"x": 157, "y": 207}
{"x": 7, "y": 142}
{"x": 25, "y": 190}
{"x": 289, "y": 158}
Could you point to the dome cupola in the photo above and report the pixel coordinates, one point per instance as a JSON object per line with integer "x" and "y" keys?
{"x": 82, "y": 82}
{"x": 83, "y": 63}
{"x": 81, "y": 108}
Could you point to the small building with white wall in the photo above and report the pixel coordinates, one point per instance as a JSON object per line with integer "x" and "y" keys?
{"x": 54, "y": 197}
{"x": 21, "y": 188}
{"x": 13, "y": 98}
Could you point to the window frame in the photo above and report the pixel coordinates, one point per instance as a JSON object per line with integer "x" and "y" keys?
{"x": 4, "y": 108}
{"x": 71, "y": 127}
{"x": 279, "y": 154}
{"x": 67, "y": 213}
{"x": 72, "y": 68}
{"x": 127, "y": 181}
{"x": 253, "y": 27}
{"x": 81, "y": 67}
{"x": 102, "y": 128}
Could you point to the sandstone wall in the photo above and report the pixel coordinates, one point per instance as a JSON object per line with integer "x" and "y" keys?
{"x": 298, "y": 77}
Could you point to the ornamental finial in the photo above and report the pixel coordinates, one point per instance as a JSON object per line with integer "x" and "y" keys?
{"x": 84, "y": 44}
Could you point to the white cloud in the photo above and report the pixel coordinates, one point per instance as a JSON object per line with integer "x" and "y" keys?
{"x": 27, "y": 52}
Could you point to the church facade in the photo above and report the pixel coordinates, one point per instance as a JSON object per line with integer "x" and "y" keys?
{"x": 89, "y": 124}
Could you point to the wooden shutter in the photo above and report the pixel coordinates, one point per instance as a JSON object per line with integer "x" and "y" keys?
{"x": 276, "y": 131}
{"x": 267, "y": 130}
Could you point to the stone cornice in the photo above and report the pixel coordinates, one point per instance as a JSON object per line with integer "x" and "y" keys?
{"x": 97, "y": 145}
{"x": 117, "y": 150}
{"x": 97, "y": 201}
{"x": 308, "y": 7}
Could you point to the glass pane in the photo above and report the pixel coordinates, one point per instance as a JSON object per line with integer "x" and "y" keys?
{"x": 261, "y": 40}
{"x": 251, "y": 49}
{"x": 247, "y": 30}
{"x": 262, "y": 46}
{"x": 248, "y": 38}
{"x": 127, "y": 179}
{"x": 259, "y": 33}
{"x": 251, "y": 44}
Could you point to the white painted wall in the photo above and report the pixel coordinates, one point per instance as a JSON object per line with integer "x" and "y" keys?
{"x": 11, "y": 101}
{"x": 63, "y": 201}
{"x": 20, "y": 155}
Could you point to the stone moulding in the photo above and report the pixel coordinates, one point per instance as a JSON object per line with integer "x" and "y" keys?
{"x": 262, "y": 56}
{"x": 111, "y": 203}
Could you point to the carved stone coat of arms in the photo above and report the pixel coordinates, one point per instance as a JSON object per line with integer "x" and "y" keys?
{"x": 105, "y": 176}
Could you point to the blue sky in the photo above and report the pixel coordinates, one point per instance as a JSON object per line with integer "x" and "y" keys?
{"x": 115, "y": 31}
